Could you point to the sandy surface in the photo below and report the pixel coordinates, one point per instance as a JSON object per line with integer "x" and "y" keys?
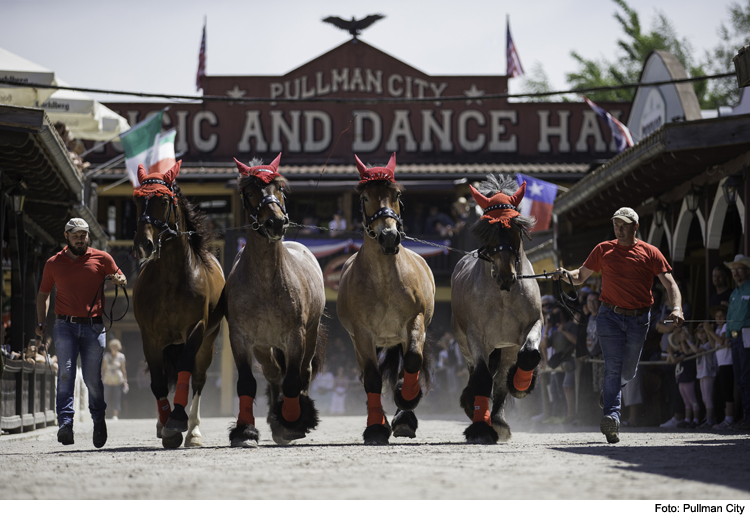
{"x": 549, "y": 462}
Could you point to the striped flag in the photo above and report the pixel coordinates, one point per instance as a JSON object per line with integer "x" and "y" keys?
{"x": 620, "y": 132}
{"x": 513, "y": 67}
{"x": 538, "y": 201}
{"x": 145, "y": 144}
{"x": 201, "y": 61}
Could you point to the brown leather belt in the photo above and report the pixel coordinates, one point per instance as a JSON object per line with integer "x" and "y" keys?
{"x": 81, "y": 320}
{"x": 623, "y": 311}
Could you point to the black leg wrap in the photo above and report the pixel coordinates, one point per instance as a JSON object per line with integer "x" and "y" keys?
{"x": 401, "y": 403}
{"x": 512, "y": 388}
{"x": 308, "y": 416}
{"x": 467, "y": 401}
{"x": 178, "y": 419}
{"x": 405, "y": 424}
{"x": 480, "y": 433}
{"x": 377, "y": 434}
{"x": 528, "y": 359}
{"x": 241, "y": 435}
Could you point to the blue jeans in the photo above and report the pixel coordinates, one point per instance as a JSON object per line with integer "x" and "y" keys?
{"x": 741, "y": 367}
{"x": 72, "y": 340}
{"x": 621, "y": 338}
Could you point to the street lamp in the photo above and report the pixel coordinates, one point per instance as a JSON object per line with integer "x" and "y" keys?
{"x": 692, "y": 199}
{"x": 730, "y": 188}
{"x": 660, "y": 213}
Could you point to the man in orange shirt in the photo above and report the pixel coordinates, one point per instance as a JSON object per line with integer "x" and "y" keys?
{"x": 78, "y": 272}
{"x": 628, "y": 268}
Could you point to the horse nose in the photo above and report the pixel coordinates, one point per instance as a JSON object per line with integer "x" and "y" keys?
{"x": 145, "y": 248}
{"x": 275, "y": 226}
{"x": 389, "y": 240}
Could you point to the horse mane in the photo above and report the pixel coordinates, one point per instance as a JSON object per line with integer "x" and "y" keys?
{"x": 195, "y": 222}
{"x": 362, "y": 185}
{"x": 485, "y": 232}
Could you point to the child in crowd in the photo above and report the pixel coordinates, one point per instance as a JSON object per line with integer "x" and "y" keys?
{"x": 717, "y": 337}
{"x": 706, "y": 369}
{"x": 679, "y": 349}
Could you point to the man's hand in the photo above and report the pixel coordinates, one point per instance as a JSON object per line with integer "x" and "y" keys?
{"x": 118, "y": 279}
{"x": 40, "y": 329}
{"x": 558, "y": 273}
{"x": 676, "y": 317}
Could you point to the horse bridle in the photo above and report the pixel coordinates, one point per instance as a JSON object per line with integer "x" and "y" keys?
{"x": 383, "y": 212}
{"x": 161, "y": 224}
{"x": 253, "y": 212}
{"x": 487, "y": 252}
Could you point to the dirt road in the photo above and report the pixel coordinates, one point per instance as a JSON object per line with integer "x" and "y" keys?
{"x": 556, "y": 462}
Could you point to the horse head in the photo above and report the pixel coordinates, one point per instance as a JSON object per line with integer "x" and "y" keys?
{"x": 262, "y": 191}
{"x": 381, "y": 205}
{"x": 501, "y": 227}
{"x": 156, "y": 208}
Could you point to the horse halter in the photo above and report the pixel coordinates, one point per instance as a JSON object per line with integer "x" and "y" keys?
{"x": 487, "y": 252}
{"x": 163, "y": 225}
{"x": 383, "y": 212}
{"x": 253, "y": 212}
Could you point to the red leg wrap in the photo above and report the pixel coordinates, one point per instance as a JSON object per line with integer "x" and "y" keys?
{"x": 290, "y": 409}
{"x": 410, "y": 388}
{"x": 522, "y": 379}
{"x": 482, "y": 409}
{"x": 246, "y": 411}
{"x": 183, "y": 387}
{"x": 375, "y": 414}
{"x": 164, "y": 410}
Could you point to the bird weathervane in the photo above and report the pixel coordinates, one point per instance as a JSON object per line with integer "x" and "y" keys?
{"x": 353, "y": 26}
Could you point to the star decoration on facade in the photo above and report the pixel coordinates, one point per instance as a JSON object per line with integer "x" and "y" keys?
{"x": 236, "y": 93}
{"x": 473, "y": 92}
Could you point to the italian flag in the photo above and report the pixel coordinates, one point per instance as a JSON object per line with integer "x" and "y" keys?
{"x": 146, "y": 145}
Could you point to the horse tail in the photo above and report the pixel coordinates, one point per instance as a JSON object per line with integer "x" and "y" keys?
{"x": 429, "y": 352}
{"x": 389, "y": 364}
{"x": 170, "y": 355}
{"x": 319, "y": 358}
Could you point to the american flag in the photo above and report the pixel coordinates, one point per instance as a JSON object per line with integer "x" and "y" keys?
{"x": 513, "y": 68}
{"x": 620, "y": 132}
{"x": 201, "y": 60}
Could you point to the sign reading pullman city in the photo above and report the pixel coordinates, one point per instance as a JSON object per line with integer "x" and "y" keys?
{"x": 420, "y": 131}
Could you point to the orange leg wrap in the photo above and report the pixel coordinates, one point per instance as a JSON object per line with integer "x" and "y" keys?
{"x": 522, "y": 379}
{"x": 290, "y": 409}
{"x": 410, "y": 388}
{"x": 246, "y": 411}
{"x": 164, "y": 410}
{"x": 183, "y": 387}
{"x": 375, "y": 414}
{"x": 482, "y": 409}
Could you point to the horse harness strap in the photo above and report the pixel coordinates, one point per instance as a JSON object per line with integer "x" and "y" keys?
{"x": 161, "y": 224}
{"x": 253, "y": 212}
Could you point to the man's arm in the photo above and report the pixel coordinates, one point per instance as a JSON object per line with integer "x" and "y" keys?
{"x": 578, "y": 276}
{"x": 675, "y": 299}
{"x": 42, "y": 307}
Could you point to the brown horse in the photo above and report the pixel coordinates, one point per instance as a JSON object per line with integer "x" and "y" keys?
{"x": 386, "y": 300}
{"x": 176, "y": 301}
{"x": 497, "y": 319}
{"x": 275, "y": 300}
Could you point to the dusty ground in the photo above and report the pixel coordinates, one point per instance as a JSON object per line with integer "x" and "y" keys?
{"x": 551, "y": 462}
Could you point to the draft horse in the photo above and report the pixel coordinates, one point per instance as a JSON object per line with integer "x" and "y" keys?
{"x": 496, "y": 318}
{"x": 386, "y": 301}
{"x": 275, "y": 300}
{"x": 176, "y": 301}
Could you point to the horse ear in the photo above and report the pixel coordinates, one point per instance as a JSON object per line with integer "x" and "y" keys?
{"x": 518, "y": 196}
{"x": 171, "y": 174}
{"x": 244, "y": 169}
{"x": 360, "y": 167}
{"x": 481, "y": 199}
{"x": 141, "y": 174}
{"x": 275, "y": 163}
{"x": 392, "y": 163}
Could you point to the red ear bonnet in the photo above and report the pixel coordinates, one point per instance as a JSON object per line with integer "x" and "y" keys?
{"x": 266, "y": 173}
{"x": 377, "y": 173}
{"x": 500, "y": 207}
{"x": 157, "y": 183}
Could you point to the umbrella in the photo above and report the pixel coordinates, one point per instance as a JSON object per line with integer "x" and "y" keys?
{"x": 15, "y": 68}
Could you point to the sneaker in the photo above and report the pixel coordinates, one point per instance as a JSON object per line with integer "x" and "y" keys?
{"x": 683, "y": 424}
{"x": 708, "y": 424}
{"x": 610, "y": 428}
{"x": 693, "y": 424}
{"x": 115, "y": 418}
{"x": 672, "y": 422}
{"x": 65, "y": 434}
{"x": 724, "y": 426}
{"x": 100, "y": 434}
{"x": 744, "y": 425}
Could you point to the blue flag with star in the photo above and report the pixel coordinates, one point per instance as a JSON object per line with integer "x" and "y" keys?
{"x": 538, "y": 200}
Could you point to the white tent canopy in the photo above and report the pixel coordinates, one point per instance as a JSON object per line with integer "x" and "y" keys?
{"x": 85, "y": 117}
{"x": 15, "y": 68}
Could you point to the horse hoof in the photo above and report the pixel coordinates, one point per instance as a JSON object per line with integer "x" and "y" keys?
{"x": 280, "y": 439}
{"x": 244, "y": 435}
{"x": 178, "y": 419}
{"x": 193, "y": 440}
{"x": 377, "y": 434}
{"x": 480, "y": 433}
{"x": 244, "y": 442}
{"x": 170, "y": 439}
{"x": 405, "y": 424}
{"x": 502, "y": 429}
{"x": 159, "y": 427}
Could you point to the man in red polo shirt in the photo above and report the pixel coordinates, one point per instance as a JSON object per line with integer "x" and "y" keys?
{"x": 78, "y": 272}
{"x": 628, "y": 268}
